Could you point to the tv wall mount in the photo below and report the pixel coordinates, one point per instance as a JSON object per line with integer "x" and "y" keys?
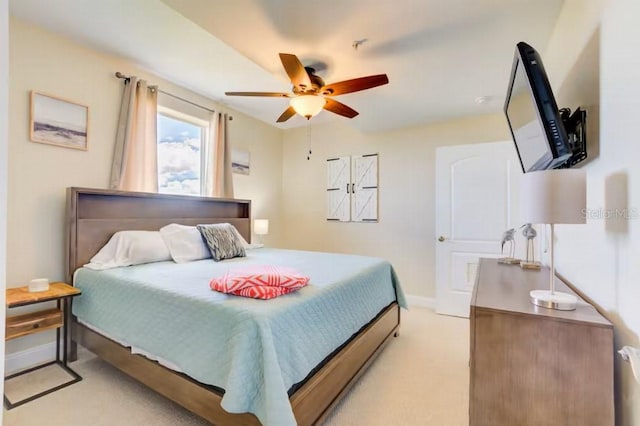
{"x": 576, "y": 127}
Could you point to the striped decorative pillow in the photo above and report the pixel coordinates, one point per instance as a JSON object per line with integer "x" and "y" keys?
{"x": 222, "y": 240}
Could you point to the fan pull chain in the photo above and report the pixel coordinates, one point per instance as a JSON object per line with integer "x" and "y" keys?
{"x": 309, "y": 141}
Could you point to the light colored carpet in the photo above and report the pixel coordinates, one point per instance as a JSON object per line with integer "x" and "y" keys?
{"x": 421, "y": 378}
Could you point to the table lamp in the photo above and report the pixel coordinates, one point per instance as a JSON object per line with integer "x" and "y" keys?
{"x": 260, "y": 228}
{"x": 553, "y": 197}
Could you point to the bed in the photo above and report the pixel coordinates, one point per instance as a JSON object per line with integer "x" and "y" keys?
{"x": 311, "y": 382}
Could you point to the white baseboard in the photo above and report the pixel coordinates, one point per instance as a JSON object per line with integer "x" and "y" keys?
{"x": 421, "y": 302}
{"x": 29, "y": 357}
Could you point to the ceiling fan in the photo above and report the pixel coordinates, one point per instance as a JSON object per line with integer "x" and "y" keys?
{"x": 310, "y": 93}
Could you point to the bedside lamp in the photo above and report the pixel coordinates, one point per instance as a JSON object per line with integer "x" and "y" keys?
{"x": 553, "y": 197}
{"x": 260, "y": 228}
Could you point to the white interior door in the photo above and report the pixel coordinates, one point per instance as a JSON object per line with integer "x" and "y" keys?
{"x": 476, "y": 201}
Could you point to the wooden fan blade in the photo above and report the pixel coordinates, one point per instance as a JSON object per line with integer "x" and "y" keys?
{"x": 340, "y": 108}
{"x": 267, "y": 94}
{"x": 295, "y": 70}
{"x": 287, "y": 114}
{"x": 355, "y": 85}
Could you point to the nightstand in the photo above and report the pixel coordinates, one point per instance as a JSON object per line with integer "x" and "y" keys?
{"x": 35, "y": 322}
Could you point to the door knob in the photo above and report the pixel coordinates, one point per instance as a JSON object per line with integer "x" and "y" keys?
{"x": 441, "y": 238}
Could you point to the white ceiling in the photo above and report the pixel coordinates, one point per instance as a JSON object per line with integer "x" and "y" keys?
{"x": 440, "y": 55}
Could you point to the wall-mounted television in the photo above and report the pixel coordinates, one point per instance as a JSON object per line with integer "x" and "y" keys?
{"x": 534, "y": 119}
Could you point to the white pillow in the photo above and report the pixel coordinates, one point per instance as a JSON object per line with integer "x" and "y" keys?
{"x": 127, "y": 248}
{"x": 185, "y": 243}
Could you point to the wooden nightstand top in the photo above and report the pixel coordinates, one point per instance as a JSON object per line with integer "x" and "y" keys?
{"x": 20, "y": 296}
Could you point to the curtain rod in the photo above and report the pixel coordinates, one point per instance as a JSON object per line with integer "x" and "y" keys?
{"x": 126, "y": 77}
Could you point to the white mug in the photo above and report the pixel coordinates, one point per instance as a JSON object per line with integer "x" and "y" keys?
{"x": 38, "y": 284}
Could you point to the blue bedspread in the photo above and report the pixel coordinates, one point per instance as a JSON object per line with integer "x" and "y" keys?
{"x": 253, "y": 349}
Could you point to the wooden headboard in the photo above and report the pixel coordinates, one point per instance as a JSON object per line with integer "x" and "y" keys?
{"x": 94, "y": 215}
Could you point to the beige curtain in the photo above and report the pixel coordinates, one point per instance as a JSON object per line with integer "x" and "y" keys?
{"x": 135, "y": 158}
{"x": 218, "y": 181}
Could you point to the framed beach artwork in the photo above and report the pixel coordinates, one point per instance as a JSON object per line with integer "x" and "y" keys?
{"x": 240, "y": 161}
{"x": 57, "y": 121}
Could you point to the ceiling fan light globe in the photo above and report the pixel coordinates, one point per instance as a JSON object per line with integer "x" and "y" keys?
{"x": 308, "y": 105}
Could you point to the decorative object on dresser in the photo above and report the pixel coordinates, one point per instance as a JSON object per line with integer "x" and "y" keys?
{"x": 508, "y": 239}
{"x": 533, "y": 366}
{"x": 57, "y": 121}
{"x": 35, "y": 322}
{"x": 261, "y": 228}
{"x": 530, "y": 261}
{"x": 553, "y": 197}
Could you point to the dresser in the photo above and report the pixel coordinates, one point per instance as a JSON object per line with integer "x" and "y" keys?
{"x": 531, "y": 365}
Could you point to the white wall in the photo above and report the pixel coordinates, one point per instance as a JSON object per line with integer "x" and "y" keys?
{"x": 4, "y": 95}
{"x": 601, "y": 257}
{"x": 405, "y": 232}
{"x": 263, "y": 186}
{"x": 39, "y": 174}
{"x": 565, "y": 46}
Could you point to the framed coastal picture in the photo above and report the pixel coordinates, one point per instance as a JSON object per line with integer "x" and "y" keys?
{"x": 240, "y": 161}
{"x": 57, "y": 121}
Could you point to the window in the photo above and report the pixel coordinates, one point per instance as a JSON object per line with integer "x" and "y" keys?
{"x": 181, "y": 140}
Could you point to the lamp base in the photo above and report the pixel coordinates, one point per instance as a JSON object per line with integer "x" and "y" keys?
{"x": 530, "y": 265}
{"x": 557, "y": 300}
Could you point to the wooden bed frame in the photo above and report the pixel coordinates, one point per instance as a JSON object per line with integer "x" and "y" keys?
{"x": 93, "y": 215}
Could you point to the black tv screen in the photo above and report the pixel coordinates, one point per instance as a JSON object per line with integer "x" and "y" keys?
{"x": 533, "y": 116}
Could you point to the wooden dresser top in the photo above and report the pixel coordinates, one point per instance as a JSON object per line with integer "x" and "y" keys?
{"x": 503, "y": 287}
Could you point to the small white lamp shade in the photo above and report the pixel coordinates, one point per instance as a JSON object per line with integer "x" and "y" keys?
{"x": 553, "y": 196}
{"x": 261, "y": 226}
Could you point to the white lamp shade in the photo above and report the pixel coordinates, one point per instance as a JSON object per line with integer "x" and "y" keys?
{"x": 553, "y": 196}
{"x": 308, "y": 105}
{"x": 261, "y": 226}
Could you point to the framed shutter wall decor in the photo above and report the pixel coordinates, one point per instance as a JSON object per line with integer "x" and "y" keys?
{"x": 352, "y": 188}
